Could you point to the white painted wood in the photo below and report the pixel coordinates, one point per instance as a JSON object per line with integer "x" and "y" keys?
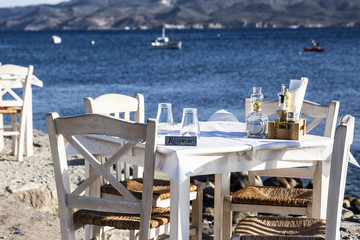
{"x": 103, "y": 125}
{"x": 227, "y": 217}
{"x": 290, "y": 172}
{"x": 196, "y": 219}
{"x": 149, "y": 170}
{"x": 320, "y": 189}
{"x": 222, "y": 183}
{"x": 122, "y": 106}
{"x": 339, "y": 163}
{"x": 104, "y": 205}
{"x": 119, "y": 105}
{"x": 102, "y": 169}
{"x": 111, "y": 104}
{"x": 179, "y": 201}
{"x": 319, "y": 113}
{"x": 24, "y": 130}
{"x": 281, "y": 210}
{"x": 61, "y": 178}
{"x": 317, "y": 208}
{"x": 29, "y": 150}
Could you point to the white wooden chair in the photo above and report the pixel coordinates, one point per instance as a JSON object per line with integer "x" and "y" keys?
{"x": 77, "y": 210}
{"x": 318, "y": 113}
{"x": 124, "y": 107}
{"x": 278, "y": 200}
{"x": 13, "y": 104}
{"x": 308, "y": 228}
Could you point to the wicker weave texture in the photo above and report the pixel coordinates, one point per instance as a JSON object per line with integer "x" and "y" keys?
{"x": 161, "y": 188}
{"x": 252, "y": 228}
{"x": 10, "y": 110}
{"x": 291, "y": 197}
{"x": 159, "y": 216}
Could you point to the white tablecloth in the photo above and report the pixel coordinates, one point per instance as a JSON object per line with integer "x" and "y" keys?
{"x": 220, "y": 144}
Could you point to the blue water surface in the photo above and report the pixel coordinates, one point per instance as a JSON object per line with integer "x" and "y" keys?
{"x": 215, "y": 69}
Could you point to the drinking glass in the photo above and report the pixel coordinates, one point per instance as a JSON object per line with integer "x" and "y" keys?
{"x": 165, "y": 118}
{"x": 190, "y": 123}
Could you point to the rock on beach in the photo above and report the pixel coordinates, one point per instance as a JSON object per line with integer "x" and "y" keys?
{"x": 28, "y": 204}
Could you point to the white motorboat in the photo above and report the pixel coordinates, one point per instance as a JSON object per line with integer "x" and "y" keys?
{"x": 163, "y": 42}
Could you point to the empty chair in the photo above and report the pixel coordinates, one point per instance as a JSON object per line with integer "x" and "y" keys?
{"x": 77, "y": 210}
{"x": 133, "y": 108}
{"x": 308, "y": 228}
{"x": 125, "y": 107}
{"x": 16, "y": 106}
{"x": 279, "y": 200}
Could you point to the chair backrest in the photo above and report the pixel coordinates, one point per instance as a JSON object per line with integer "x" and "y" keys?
{"x": 117, "y": 104}
{"x": 339, "y": 163}
{"x": 11, "y": 76}
{"x": 317, "y": 112}
{"x": 69, "y": 128}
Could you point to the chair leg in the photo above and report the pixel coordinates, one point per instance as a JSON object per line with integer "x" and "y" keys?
{"x": 94, "y": 232}
{"x": 197, "y": 211}
{"x": 20, "y": 152}
{"x": 133, "y": 235}
{"x": 66, "y": 225}
{"x": 87, "y": 229}
{"x": 227, "y": 218}
{"x": 14, "y": 139}
{"x": 309, "y": 209}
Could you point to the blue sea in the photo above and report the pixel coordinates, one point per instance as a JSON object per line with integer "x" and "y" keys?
{"x": 215, "y": 69}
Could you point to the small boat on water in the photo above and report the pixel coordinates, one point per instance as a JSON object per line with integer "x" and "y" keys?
{"x": 56, "y": 39}
{"x": 314, "y": 49}
{"x": 163, "y": 42}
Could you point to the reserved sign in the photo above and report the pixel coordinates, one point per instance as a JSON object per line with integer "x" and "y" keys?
{"x": 180, "y": 141}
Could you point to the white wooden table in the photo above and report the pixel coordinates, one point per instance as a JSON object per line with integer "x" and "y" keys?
{"x": 223, "y": 148}
{"x": 17, "y": 82}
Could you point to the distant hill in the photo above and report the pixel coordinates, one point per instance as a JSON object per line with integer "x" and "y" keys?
{"x": 146, "y": 14}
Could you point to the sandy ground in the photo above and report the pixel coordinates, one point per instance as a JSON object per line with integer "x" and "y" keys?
{"x": 17, "y": 219}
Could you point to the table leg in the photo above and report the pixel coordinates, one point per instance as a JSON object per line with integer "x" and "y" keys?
{"x": 320, "y": 187}
{"x": 179, "y": 209}
{"x": 222, "y": 188}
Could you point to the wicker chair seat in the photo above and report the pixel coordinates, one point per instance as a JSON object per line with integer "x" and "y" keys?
{"x": 277, "y": 196}
{"x": 255, "y": 228}
{"x": 10, "y": 110}
{"x": 161, "y": 188}
{"x": 159, "y": 216}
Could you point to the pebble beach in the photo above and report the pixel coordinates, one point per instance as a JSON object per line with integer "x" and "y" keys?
{"x": 28, "y": 205}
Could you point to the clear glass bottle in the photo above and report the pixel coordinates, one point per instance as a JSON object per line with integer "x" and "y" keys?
{"x": 281, "y": 111}
{"x": 256, "y": 121}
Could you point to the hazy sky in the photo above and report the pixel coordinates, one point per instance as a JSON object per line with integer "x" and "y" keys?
{"x": 16, "y": 3}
